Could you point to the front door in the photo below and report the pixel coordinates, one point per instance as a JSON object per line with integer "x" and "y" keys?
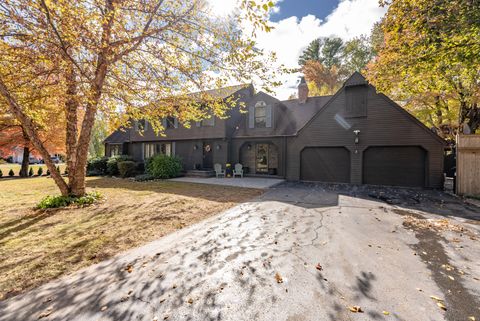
{"x": 207, "y": 155}
{"x": 261, "y": 158}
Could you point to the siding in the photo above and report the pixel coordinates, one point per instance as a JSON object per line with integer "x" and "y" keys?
{"x": 384, "y": 125}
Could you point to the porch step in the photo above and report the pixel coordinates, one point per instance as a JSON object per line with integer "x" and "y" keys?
{"x": 200, "y": 173}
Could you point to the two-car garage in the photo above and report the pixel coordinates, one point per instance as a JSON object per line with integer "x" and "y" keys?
{"x": 381, "y": 165}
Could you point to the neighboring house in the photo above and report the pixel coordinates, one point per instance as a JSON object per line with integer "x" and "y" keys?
{"x": 356, "y": 136}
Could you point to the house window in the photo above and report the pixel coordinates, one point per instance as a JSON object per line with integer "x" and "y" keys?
{"x": 260, "y": 114}
{"x": 152, "y": 149}
{"x": 170, "y": 122}
{"x": 115, "y": 150}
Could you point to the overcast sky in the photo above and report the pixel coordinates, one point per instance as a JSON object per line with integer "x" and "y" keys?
{"x": 298, "y": 22}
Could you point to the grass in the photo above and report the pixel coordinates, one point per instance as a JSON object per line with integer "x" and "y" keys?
{"x": 38, "y": 246}
{"x": 16, "y": 168}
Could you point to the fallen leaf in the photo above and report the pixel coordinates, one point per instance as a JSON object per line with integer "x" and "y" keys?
{"x": 418, "y": 289}
{"x": 355, "y": 309}
{"x": 386, "y": 312}
{"x": 129, "y": 268}
{"x": 104, "y": 308}
{"x": 278, "y": 278}
{"x": 451, "y": 278}
{"x": 319, "y": 267}
{"x": 45, "y": 314}
{"x": 436, "y": 298}
{"x": 190, "y": 301}
{"x": 442, "y": 306}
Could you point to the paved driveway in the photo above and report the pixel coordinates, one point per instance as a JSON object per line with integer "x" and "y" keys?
{"x": 300, "y": 252}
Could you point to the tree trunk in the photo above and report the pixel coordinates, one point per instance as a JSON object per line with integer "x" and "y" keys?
{"x": 25, "y": 161}
{"x": 71, "y": 110}
{"x": 29, "y": 128}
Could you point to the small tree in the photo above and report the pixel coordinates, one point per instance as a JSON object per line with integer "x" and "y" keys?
{"x": 48, "y": 172}
{"x": 1, "y": 173}
{"x": 40, "y": 171}
{"x": 11, "y": 173}
{"x": 30, "y": 172}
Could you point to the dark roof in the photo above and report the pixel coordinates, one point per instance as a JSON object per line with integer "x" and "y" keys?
{"x": 299, "y": 114}
{"x": 221, "y": 93}
{"x": 117, "y": 137}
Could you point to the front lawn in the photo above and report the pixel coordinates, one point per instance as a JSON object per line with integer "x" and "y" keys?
{"x": 37, "y": 246}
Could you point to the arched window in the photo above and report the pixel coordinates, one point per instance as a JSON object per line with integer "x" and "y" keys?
{"x": 260, "y": 114}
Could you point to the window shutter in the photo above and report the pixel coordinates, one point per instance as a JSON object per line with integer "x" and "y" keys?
{"x": 175, "y": 122}
{"x": 251, "y": 117}
{"x": 164, "y": 123}
{"x": 173, "y": 148}
{"x": 135, "y": 125}
{"x": 269, "y": 116}
{"x": 146, "y": 125}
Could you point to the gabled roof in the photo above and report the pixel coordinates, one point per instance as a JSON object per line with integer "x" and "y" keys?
{"x": 117, "y": 137}
{"x": 300, "y": 114}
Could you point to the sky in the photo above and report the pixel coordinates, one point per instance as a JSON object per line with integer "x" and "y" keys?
{"x": 297, "y": 22}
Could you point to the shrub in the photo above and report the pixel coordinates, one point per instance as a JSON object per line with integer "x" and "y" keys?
{"x": 11, "y": 173}
{"x": 65, "y": 172}
{"x": 112, "y": 163}
{"x": 1, "y": 173}
{"x": 126, "y": 168}
{"x": 40, "y": 171}
{"x": 163, "y": 166}
{"x": 30, "y": 172}
{"x": 58, "y": 169}
{"x": 62, "y": 201}
{"x": 48, "y": 172}
{"x": 144, "y": 178}
{"x": 2, "y": 161}
{"x": 97, "y": 166}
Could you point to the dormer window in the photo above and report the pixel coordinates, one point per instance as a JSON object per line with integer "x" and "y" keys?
{"x": 171, "y": 122}
{"x": 260, "y": 114}
{"x": 140, "y": 125}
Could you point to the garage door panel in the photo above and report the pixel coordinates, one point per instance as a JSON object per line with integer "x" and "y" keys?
{"x": 394, "y": 165}
{"x": 325, "y": 164}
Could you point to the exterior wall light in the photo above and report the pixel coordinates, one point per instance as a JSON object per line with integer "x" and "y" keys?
{"x": 218, "y": 146}
{"x": 356, "y": 132}
{"x": 195, "y": 147}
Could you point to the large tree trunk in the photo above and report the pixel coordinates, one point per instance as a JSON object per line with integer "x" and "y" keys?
{"x": 25, "y": 161}
{"x": 29, "y": 128}
{"x": 71, "y": 111}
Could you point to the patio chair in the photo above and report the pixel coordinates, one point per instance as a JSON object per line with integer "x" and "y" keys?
{"x": 238, "y": 171}
{"x": 218, "y": 170}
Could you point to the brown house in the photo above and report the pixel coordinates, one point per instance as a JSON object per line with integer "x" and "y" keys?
{"x": 356, "y": 136}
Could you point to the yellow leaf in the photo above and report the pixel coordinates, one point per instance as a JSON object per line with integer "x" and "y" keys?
{"x": 355, "y": 309}
{"x": 442, "y": 306}
{"x": 386, "y": 312}
{"x": 278, "y": 278}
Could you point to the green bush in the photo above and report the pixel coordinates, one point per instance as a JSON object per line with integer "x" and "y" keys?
{"x": 40, "y": 171}
{"x": 112, "y": 163}
{"x": 1, "y": 173}
{"x": 63, "y": 201}
{"x": 48, "y": 172}
{"x": 11, "y": 173}
{"x": 97, "y": 166}
{"x": 126, "y": 168}
{"x": 30, "y": 172}
{"x": 163, "y": 166}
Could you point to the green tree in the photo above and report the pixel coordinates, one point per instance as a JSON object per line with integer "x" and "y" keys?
{"x": 357, "y": 53}
{"x": 431, "y": 56}
{"x": 99, "y": 133}
{"x": 312, "y": 52}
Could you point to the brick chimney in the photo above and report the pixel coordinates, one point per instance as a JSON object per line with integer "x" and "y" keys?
{"x": 302, "y": 91}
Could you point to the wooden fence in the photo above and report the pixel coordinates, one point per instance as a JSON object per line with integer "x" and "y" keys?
{"x": 468, "y": 165}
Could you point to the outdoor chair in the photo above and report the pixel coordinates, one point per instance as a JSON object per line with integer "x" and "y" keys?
{"x": 238, "y": 171}
{"x": 218, "y": 170}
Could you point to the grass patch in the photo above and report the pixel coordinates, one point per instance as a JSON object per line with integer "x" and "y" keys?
{"x": 38, "y": 246}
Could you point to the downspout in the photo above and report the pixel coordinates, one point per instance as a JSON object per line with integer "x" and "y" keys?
{"x": 284, "y": 156}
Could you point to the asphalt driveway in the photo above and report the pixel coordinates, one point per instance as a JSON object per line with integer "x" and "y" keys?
{"x": 299, "y": 252}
